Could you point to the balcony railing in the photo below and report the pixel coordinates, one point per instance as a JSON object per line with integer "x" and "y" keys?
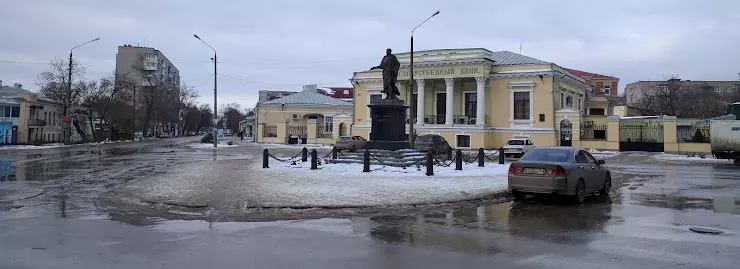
{"x": 36, "y": 122}
{"x": 456, "y": 119}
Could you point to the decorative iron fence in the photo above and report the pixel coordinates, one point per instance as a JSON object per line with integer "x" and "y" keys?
{"x": 297, "y": 130}
{"x": 321, "y": 133}
{"x": 641, "y": 132}
{"x": 591, "y": 131}
{"x": 269, "y": 131}
{"x": 697, "y": 132}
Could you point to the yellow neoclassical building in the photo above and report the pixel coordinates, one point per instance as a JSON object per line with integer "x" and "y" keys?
{"x": 303, "y": 117}
{"x": 479, "y": 98}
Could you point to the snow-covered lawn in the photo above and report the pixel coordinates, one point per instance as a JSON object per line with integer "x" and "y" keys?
{"x": 47, "y": 146}
{"x": 295, "y": 146}
{"x": 708, "y": 158}
{"x": 347, "y": 185}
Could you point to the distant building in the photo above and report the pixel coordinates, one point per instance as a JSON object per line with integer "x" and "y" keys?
{"x": 31, "y": 118}
{"x": 637, "y": 92}
{"x": 602, "y": 85}
{"x": 343, "y": 93}
{"x": 147, "y": 67}
{"x": 265, "y": 95}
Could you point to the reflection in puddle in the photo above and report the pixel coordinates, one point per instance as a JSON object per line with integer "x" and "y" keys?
{"x": 468, "y": 229}
{"x": 719, "y": 204}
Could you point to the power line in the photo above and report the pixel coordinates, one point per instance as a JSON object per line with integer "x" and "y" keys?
{"x": 258, "y": 82}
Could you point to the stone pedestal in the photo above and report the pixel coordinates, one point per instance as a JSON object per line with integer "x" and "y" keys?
{"x": 388, "y": 130}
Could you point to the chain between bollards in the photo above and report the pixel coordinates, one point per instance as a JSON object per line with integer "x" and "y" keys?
{"x": 265, "y": 158}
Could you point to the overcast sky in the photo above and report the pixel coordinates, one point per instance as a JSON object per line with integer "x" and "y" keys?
{"x": 282, "y": 45}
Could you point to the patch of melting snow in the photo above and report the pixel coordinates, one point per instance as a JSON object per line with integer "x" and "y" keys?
{"x": 681, "y": 158}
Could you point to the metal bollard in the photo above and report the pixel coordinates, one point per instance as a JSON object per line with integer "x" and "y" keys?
{"x": 314, "y": 160}
{"x": 458, "y": 159}
{"x": 366, "y": 161}
{"x": 501, "y": 155}
{"x": 334, "y": 151}
{"x": 481, "y": 156}
{"x": 265, "y": 159}
{"x": 304, "y": 155}
{"x": 430, "y": 164}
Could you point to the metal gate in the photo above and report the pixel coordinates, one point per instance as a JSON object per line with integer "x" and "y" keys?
{"x": 641, "y": 136}
{"x": 566, "y": 133}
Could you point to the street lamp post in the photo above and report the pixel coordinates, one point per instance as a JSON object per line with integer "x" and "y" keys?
{"x": 215, "y": 91}
{"x": 68, "y": 94}
{"x": 410, "y": 91}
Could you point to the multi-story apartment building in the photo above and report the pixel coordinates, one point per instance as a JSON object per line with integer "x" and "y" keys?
{"x": 28, "y": 118}
{"x": 147, "y": 67}
{"x": 636, "y": 93}
{"x": 603, "y": 85}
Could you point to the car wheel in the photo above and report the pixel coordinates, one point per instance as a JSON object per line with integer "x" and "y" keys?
{"x": 737, "y": 160}
{"x": 580, "y": 194}
{"x": 607, "y": 185}
{"x": 353, "y": 148}
{"x": 518, "y": 196}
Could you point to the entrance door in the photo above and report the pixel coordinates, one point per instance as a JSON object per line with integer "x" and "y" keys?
{"x": 441, "y": 108}
{"x": 566, "y": 133}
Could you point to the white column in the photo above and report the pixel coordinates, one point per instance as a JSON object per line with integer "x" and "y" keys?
{"x": 420, "y": 101}
{"x": 480, "y": 111}
{"x": 450, "y": 83}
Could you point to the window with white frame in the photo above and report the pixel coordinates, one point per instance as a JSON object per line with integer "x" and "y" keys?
{"x": 569, "y": 101}
{"x": 522, "y": 105}
{"x": 328, "y": 124}
{"x": 562, "y": 100}
{"x": 463, "y": 141}
{"x": 607, "y": 90}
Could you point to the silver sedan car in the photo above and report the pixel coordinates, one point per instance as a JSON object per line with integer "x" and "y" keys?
{"x": 559, "y": 170}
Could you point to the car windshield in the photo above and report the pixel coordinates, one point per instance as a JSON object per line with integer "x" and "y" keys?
{"x": 516, "y": 142}
{"x": 546, "y": 155}
{"x": 345, "y": 138}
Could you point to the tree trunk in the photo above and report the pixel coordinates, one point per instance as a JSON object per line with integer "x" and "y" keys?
{"x": 79, "y": 130}
{"x": 92, "y": 127}
{"x": 148, "y": 116}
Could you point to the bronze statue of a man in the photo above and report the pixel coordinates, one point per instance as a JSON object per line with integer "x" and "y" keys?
{"x": 390, "y": 66}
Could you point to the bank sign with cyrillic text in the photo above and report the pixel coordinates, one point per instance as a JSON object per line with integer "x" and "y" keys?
{"x": 445, "y": 72}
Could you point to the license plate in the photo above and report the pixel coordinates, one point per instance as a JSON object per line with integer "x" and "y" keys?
{"x": 536, "y": 171}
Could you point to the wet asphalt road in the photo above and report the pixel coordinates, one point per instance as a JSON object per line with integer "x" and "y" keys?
{"x": 49, "y": 218}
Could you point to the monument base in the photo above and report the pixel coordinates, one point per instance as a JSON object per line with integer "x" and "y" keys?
{"x": 388, "y": 130}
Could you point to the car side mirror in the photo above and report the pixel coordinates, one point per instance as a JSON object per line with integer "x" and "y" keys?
{"x": 601, "y": 162}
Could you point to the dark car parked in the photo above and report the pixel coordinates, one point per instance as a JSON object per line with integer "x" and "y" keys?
{"x": 432, "y": 142}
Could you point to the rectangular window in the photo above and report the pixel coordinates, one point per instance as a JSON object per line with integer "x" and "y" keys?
{"x": 471, "y": 104}
{"x": 607, "y": 90}
{"x": 562, "y": 100}
{"x": 328, "y": 124}
{"x": 521, "y": 105}
{"x": 569, "y": 101}
{"x": 596, "y": 111}
{"x": 2, "y": 111}
{"x": 6, "y": 111}
{"x": 542, "y": 117}
{"x": 15, "y": 112}
{"x": 463, "y": 141}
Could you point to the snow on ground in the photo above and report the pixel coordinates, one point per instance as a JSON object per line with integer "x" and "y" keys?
{"x": 47, "y": 146}
{"x": 236, "y": 183}
{"x": 603, "y": 154}
{"x": 685, "y": 158}
{"x": 296, "y": 146}
{"x": 347, "y": 185}
{"x": 210, "y": 145}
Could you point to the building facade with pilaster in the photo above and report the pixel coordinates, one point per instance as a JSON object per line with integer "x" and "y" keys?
{"x": 478, "y": 98}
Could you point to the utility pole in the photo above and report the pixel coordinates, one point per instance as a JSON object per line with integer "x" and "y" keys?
{"x": 410, "y": 90}
{"x": 215, "y": 91}
{"x": 67, "y": 128}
